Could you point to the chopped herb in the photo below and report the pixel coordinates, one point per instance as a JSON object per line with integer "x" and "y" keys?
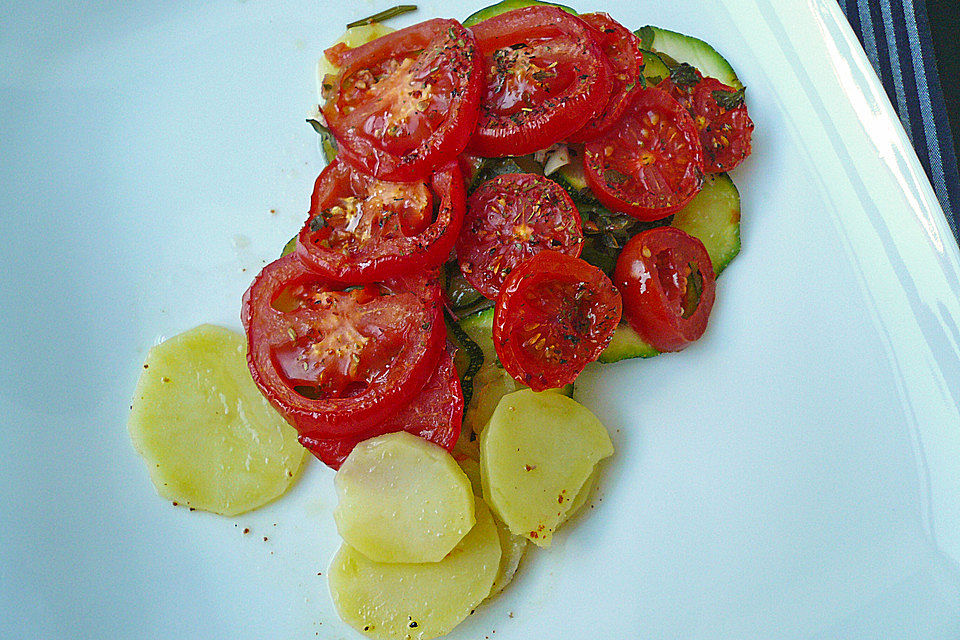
{"x": 685, "y": 75}
{"x": 729, "y": 100}
{"x": 317, "y": 223}
{"x": 615, "y": 177}
{"x": 543, "y": 76}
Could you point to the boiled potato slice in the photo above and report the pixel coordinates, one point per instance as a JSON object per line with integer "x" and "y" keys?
{"x": 511, "y": 546}
{"x": 512, "y": 549}
{"x": 408, "y": 601}
{"x": 402, "y": 499}
{"x": 582, "y": 496}
{"x": 535, "y": 455}
{"x": 210, "y": 439}
{"x": 471, "y": 468}
{"x": 492, "y": 382}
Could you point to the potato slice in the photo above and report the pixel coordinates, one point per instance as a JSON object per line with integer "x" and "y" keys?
{"x": 210, "y": 439}
{"x": 492, "y": 382}
{"x": 583, "y": 495}
{"x": 535, "y": 455}
{"x": 471, "y": 468}
{"x": 402, "y": 499}
{"x": 512, "y": 548}
{"x": 409, "y": 601}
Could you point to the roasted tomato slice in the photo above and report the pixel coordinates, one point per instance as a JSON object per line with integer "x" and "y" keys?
{"x": 407, "y": 101}
{"x": 720, "y": 113}
{"x": 622, "y": 49}
{"x": 650, "y": 163}
{"x": 545, "y": 77}
{"x": 666, "y": 279}
{"x": 434, "y": 414}
{"x": 554, "y": 315}
{"x": 336, "y": 360}
{"x": 509, "y": 219}
{"x": 363, "y": 229}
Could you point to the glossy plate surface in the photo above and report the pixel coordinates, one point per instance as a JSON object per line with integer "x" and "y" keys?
{"x": 794, "y": 475}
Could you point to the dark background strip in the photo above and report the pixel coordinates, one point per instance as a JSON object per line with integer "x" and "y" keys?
{"x": 915, "y": 48}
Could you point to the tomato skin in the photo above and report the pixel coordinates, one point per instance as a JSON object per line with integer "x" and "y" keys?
{"x": 653, "y": 274}
{"x": 511, "y": 218}
{"x": 364, "y": 352}
{"x": 382, "y": 246}
{"x": 554, "y": 315}
{"x": 545, "y": 77}
{"x": 435, "y": 414}
{"x": 622, "y": 49}
{"x": 725, "y": 133}
{"x": 396, "y": 120}
{"x": 650, "y": 163}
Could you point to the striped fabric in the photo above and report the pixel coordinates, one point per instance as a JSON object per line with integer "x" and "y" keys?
{"x": 896, "y": 36}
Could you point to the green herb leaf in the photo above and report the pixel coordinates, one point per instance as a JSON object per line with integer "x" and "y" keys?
{"x": 729, "y": 100}
{"x": 685, "y": 75}
{"x": 646, "y": 37}
{"x": 392, "y": 12}
{"x": 474, "y": 354}
{"x": 614, "y": 176}
{"x": 318, "y": 126}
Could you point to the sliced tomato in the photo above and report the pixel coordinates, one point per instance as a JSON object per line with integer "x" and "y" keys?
{"x": 726, "y": 129}
{"x": 363, "y": 229}
{"x": 545, "y": 77}
{"x": 336, "y": 360}
{"x": 554, "y": 315}
{"x": 435, "y": 414}
{"x": 668, "y": 286}
{"x": 650, "y": 163}
{"x": 407, "y": 101}
{"x": 509, "y": 219}
{"x": 720, "y": 114}
{"x": 622, "y": 49}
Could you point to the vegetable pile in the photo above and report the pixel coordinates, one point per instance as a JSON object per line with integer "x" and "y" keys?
{"x": 506, "y": 200}
{"x": 538, "y": 148}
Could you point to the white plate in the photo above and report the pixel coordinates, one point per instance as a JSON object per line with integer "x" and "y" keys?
{"x": 794, "y": 475}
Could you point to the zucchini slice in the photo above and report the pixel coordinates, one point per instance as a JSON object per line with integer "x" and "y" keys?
{"x": 468, "y": 359}
{"x": 483, "y": 387}
{"x": 508, "y": 5}
{"x": 654, "y": 68}
{"x": 479, "y": 328}
{"x": 683, "y": 48}
{"x": 625, "y": 344}
{"x": 572, "y": 178}
{"x": 461, "y": 296}
{"x": 713, "y": 217}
